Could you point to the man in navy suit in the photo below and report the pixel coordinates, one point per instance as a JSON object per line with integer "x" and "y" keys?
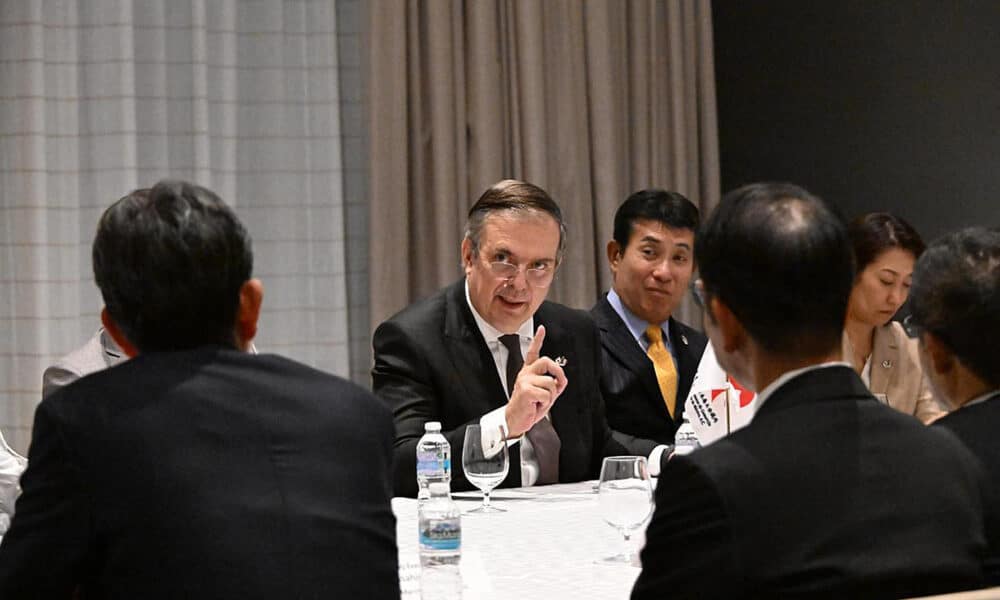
{"x": 955, "y": 311}
{"x": 826, "y": 493}
{"x": 651, "y": 259}
{"x": 197, "y": 469}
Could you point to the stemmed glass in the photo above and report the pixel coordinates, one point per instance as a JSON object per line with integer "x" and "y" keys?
{"x": 625, "y": 496}
{"x": 484, "y": 472}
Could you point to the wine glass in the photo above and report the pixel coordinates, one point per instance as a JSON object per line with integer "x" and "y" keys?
{"x": 625, "y": 497}
{"x": 485, "y": 470}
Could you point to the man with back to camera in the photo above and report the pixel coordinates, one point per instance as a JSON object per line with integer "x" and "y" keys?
{"x": 448, "y": 358}
{"x": 827, "y": 492}
{"x": 197, "y": 469}
{"x": 648, "y": 358}
{"x": 955, "y": 311}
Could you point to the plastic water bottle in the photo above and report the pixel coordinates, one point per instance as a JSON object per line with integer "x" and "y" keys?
{"x": 440, "y": 532}
{"x": 433, "y": 459}
{"x": 685, "y": 440}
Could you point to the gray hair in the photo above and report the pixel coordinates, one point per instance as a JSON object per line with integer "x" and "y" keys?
{"x": 517, "y": 197}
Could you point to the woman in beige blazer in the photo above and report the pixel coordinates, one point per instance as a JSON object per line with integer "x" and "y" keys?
{"x": 885, "y": 249}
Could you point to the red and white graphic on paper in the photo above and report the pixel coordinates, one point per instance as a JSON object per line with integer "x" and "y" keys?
{"x": 742, "y": 405}
{"x": 717, "y": 403}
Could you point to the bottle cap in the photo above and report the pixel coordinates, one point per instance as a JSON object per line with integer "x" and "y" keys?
{"x": 432, "y": 426}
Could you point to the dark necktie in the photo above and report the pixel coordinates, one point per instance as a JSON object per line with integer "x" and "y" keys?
{"x": 542, "y": 435}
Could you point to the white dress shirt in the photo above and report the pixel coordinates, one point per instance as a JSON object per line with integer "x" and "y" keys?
{"x": 494, "y": 423}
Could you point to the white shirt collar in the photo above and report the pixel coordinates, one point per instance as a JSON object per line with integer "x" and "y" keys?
{"x": 983, "y": 398}
{"x": 789, "y": 375}
{"x": 490, "y": 333}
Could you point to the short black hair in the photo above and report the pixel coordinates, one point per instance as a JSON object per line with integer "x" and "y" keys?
{"x": 779, "y": 258}
{"x": 669, "y": 208}
{"x": 956, "y": 296}
{"x": 170, "y": 262}
{"x": 873, "y": 233}
{"x": 511, "y": 195}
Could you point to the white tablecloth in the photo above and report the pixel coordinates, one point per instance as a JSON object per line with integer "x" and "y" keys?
{"x": 544, "y": 546}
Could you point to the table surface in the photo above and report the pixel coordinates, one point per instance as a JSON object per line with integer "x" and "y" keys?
{"x": 544, "y": 546}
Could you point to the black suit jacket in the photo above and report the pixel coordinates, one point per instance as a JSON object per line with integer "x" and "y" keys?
{"x": 827, "y": 493}
{"x": 628, "y": 380}
{"x": 978, "y": 426}
{"x": 432, "y": 364}
{"x": 208, "y": 473}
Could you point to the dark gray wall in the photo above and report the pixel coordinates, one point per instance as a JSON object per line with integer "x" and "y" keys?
{"x": 874, "y": 105}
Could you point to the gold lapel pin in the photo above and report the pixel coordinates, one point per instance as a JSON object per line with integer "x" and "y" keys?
{"x": 561, "y": 361}
{"x": 886, "y": 363}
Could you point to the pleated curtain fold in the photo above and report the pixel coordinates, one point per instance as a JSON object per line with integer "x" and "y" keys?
{"x": 589, "y": 100}
{"x": 101, "y": 97}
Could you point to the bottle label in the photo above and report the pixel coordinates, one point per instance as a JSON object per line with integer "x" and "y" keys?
{"x": 441, "y": 534}
{"x": 432, "y": 463}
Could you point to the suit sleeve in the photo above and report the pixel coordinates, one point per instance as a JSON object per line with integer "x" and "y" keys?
{"x": 689, "y": 548}
{"x": 401, "y": 377}
{"x": 46, "y": 551}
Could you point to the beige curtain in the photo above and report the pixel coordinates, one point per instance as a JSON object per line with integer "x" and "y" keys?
{"x": 104, "y": 96}
{"x": 589, "y": 100}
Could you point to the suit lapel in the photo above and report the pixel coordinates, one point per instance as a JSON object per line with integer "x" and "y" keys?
{"x": 687, "y": 366}
{"x": 618, "y": 340}
{"x": 884, "y": 362}
{"x": 469, "y": 353}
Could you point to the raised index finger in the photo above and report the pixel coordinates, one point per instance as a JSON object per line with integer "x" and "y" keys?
{"x": 535, "y": 349}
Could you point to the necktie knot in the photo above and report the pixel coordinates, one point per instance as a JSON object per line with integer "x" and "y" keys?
{"x": 654, "y": 334}
{"x": 512, "y": 342}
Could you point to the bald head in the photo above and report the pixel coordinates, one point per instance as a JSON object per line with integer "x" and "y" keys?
{"x": 779, "y": 258}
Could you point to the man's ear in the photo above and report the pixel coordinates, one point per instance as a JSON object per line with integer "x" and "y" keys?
{"x": 116, "y": 334}
{"x": 940, "y": 359}
{"x": 732, "y": 333}
{"x": 614, "y": 255}
{"x": 248, "y": 312}
{"x": 466, "y": 255}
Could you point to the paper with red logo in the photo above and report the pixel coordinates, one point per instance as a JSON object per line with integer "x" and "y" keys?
{"x": 717, "y": 404}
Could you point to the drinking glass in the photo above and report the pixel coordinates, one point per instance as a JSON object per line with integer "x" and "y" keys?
{"x": 626, "y": 499}
{"x": 484, "y": 472}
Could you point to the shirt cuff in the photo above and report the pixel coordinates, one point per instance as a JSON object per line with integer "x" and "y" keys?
{"x": 494, "y": 429}
{"x": 653, "y": 464}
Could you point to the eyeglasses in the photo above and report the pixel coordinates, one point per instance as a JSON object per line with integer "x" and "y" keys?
{"x": 911, "y": 327}
{"x": 698, "y": 292}
{"x": 539, "y": 277}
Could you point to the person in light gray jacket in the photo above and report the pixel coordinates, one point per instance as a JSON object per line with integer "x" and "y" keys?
{"x": 100, "y": 352}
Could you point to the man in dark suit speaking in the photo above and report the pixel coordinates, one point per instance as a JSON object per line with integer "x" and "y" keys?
{"x": 827, "y": 492}
{"x": 196, "y": 469}
{"x": 490, "y": 350}
{"x": 649, "y": 358}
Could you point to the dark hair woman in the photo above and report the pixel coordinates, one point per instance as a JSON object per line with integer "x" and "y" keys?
{"x": 885, "y": 250}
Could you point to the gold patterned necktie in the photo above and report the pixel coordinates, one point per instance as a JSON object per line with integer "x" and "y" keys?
{"x": 663, "y": 363}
